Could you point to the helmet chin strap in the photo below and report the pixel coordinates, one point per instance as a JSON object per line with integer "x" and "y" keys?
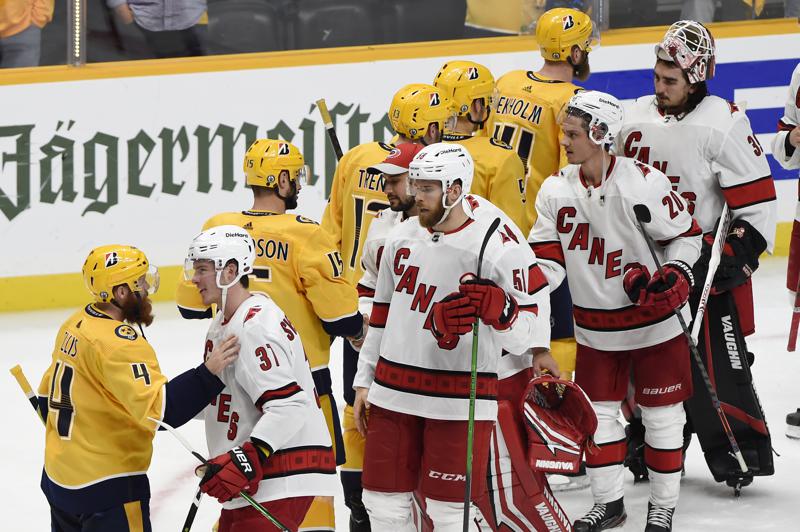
{"x": 224, "y": 290}
{"x": 448, "y": 208}
{"x": 480, "y": 123}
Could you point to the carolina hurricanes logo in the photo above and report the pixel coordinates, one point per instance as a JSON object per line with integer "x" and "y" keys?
{"x": 472, "y": 73}
{"x": 283, "y": 149}
{"x": 434, "y": 101}
{"x": 394, "y": 153}
{"x": 567, "y": 22}
{"x": 111, "y": 259}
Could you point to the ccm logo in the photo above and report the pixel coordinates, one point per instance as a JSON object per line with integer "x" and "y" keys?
{"x": 661, "y": 391}
{"x": 448, "y": 476}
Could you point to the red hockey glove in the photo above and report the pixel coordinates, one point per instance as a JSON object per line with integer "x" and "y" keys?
{"x": 452, "y": 316}
{"x": 635, "y": 282}
{"x": 671, "y": 290}
{"x": 496, "y": 307}
{"x": 237, "y": 470}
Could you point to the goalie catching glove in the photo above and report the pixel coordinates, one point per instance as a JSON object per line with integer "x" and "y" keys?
{"x": 559, "y": 421}
{"x": 237, "y": 470}
{"x": 739, "y": 258}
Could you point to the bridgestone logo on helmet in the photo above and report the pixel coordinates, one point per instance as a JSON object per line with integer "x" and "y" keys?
{"x": 434, "y": 100}
{"x": 283, "y": 149}
{"x": 111, "y": 259}
{"x": 472, "y": 73}
{"x": 568, "y": 22}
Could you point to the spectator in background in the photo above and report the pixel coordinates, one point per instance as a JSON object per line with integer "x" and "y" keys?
{"x": 172, "y": 28}
{"x": 703, "y": 10}
{"x": 21, "y": 23}
{"x": 791, "y": 8}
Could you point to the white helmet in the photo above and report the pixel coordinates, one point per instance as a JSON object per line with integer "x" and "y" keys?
{"x": 690, "y": 46}
{"x": 220, "y": 245}
{"x": 444, "y": 163}
{"x": 601, "y": 113}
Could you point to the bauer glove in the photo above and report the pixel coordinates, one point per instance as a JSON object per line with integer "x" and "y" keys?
{"x": 237, "y": 470}
{"x": 495, "y": 306}
{"x": 671, "y": 290}
{"x": 635, "y": 283}
{"x": 452, "y": 316}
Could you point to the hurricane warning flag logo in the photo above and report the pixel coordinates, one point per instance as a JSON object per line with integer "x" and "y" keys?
{"x": 568, "y": 22}
{"x": 111, "y": 259}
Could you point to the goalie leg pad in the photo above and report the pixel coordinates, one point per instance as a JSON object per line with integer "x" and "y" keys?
{"x": 724, "y": 354}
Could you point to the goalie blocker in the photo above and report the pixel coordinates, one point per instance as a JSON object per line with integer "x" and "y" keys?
{"x": 727, "y": 361}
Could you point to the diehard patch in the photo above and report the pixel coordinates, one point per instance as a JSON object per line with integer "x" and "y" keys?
{"x": 126, "y": 332}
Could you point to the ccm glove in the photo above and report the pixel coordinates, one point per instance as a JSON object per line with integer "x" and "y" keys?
{"x": 452, "y": 316}
{"x": 495, "y": 306}
{"x": 739, "y": 258}
{"x": 635, "y": 283}
{"x": 237, "y": 470}
{"x": 671, "y": 290}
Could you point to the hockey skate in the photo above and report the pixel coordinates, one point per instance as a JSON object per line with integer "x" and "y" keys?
{"x": 359, "y": 519}
{"x": 602, "y": 516}
{"x": 659, "y": 518}
{"x": 793, "y": 425}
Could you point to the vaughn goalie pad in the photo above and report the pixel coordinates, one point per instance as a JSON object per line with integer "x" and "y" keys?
{"x": 724, "y": 353}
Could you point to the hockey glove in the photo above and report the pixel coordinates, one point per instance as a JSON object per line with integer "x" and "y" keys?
{"x": 739, "y": 255}
{"x": 635, "y": 282}
{"x": 237, "y": 470}
{"x": 671, "y": 290}
{"x": 495, "y": 306}
{"x": 452, "y": 316}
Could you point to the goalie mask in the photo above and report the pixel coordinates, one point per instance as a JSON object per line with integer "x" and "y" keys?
{"x": 690, "y": 46}
{"x": 559, "y": 421}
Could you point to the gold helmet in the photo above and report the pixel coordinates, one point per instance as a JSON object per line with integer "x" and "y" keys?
{"x": 415, "y": 107}
{"x": 559, "y": 29}
{"x": 266, "y": 158}
{"x": 465, "y": 81}
{"x": 114, "y": 265}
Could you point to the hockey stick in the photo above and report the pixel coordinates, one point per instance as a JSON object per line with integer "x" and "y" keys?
{"x": 473, "y": 384}
{"x": 795, "y": 320}
{"x": 643, "y": 215}
{"x": 252, "y": 502}
{"x": 328, "y": 123}
{"x": 713, "y": 264}
{"x": 16, "y": 371}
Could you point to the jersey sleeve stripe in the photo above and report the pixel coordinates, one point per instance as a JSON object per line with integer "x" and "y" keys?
{"x": 281, "y": 393}
{"x": 549, "y": 251}
{"x": 299, "y": 460}
{"x": 433, "y": 383}
{"x": 365, "y": 291}
{"x": 784, "y": 126}
{"x": 530, "y": 308}
{"x": 379, "y": 315}
{"x": 752, "y": 193}
{"x": 620, "y": 319}
{"x": 536, "y": 279}
{"x": 694, "y": 230}
{"x": 344, "y": 326}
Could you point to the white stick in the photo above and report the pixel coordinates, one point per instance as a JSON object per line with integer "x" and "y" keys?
{"x": 713, "y": 264}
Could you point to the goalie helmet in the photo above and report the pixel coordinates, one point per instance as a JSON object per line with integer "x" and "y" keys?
{"x": 601, "y": 114}
{"x": 415, "y": 107}
{"x": 559, "y": 421}
{"x": 266, "y": 158}
{"x": 465, "y": 81}
{"x": 690, "y": 46}
{"x": 220, "y": 245}
{"x": 114, "y": 265}
{"x": 559, "y": 29}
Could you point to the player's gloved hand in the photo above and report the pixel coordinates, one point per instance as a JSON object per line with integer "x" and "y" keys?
{"x": 634, "y": 282}
{"x": 671, "y": 290}
{"x": 739, "y": 258}
{"x": 237, "y": 470}
{"x": 452, "y": 316}
{"x": 495, "y": 306}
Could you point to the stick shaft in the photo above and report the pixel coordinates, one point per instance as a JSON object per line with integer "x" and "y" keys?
{"x": 795, "y": 320}
{"x": 329, "y": 128}
{"x": 713, "y": 264}
{"x": 16, "y": 371}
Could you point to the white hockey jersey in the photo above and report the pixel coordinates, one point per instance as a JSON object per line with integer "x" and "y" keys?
{"x": 269, "y": 395}
{"x": 710, "y": 156}
{"x": 371, "y": 254}
{"x": 592, "y": 236}
{"x": 789, "y": 158}
{"x": 401, "y": 361}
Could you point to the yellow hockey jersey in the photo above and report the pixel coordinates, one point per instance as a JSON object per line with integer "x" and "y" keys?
{"x": 102, "y": 384}
{"x": 525, "y": 117}
{"x": 356, "y": 197}
{"x": 300, "y": 268}
{"x": 499, "y": 175}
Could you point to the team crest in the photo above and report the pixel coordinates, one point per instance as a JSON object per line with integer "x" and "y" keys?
{"x": 434, "y": 101}
{"x": 567, "y": 22}
{"x": 111, "y": 259}
{"x": 394, "y": 153}
{"x": 472, "y": 73}
{"x": 283, "y": 149}
{"x": 126, "y": 332}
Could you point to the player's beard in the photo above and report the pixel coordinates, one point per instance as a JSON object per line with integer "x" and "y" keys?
{"x": 137, "y": 309}
{"x": 430, "y": 218}
{"x": 581, "y": 71}
{"x": 403, "y": 205}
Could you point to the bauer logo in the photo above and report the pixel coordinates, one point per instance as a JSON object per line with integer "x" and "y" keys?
{"x": 111, "y": 259}
{"x": 126, "y": 332}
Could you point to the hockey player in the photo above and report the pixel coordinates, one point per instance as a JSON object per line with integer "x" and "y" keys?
{"x": 785, "y": 150}
{"x": 418, "y": 113}
{"x": 299, "y": 267}
{"x": 712, "y": 157}
{"x": 103, "y": 384}
{"x": 499, "y": 172}
{"x": 265, "y": 429}
{"x": 623, "y": 306}
{"x": 413, "y": 372}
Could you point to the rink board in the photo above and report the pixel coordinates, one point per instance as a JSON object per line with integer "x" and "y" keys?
{"x": 144, "y": 152}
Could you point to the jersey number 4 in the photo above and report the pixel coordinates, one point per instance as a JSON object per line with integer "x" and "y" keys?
{"x": 60, "y": 398}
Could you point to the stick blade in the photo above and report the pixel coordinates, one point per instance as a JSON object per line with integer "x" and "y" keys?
{"x": 642, "y": 213}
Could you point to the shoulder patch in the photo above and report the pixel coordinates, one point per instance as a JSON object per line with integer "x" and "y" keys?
{"x": 499, "y": 143}
{"x": 387, "y": 147}
{"x": 126, "y": 332}
{"x": 304, "y": 220}
{"x": 251, "y": 312}
{"x": 733, "y": 107}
